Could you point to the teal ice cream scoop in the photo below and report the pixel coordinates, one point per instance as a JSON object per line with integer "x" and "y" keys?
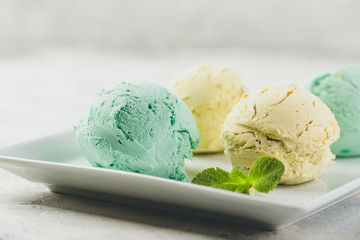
{"x": 140, "y": 128}
{"x": 340, "y": 91}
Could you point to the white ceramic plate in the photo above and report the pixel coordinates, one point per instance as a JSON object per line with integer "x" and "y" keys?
{"x": 56, "y": 162}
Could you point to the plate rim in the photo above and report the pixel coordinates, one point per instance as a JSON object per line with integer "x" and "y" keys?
{"x": 20, "y": 161}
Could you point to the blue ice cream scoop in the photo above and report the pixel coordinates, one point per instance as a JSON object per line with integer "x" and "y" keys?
{"x": 140, "y": 128}
{"x": 340, "y": 91}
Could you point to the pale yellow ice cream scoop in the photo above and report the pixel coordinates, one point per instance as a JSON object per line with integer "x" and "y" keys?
{"x": 286, "y": 122}
{"x": 210, "y": 94}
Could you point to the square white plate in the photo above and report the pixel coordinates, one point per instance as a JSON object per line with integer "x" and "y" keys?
{"x": 56, "y": 162}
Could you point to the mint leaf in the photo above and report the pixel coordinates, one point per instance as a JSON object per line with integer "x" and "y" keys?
{"x": 264, "y": 176}
{"x": 236, "y": 181}
{"x": 210, "y": 177}
{"x": 243, "y": 180}
{"x": 266, "y": 173}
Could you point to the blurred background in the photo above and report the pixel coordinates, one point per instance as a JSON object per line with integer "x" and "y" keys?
{"x": 55, "y": 55}
{"x": 160, "y": 25}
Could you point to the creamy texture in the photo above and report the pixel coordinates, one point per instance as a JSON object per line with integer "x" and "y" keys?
{"x": 286, "y": 122}
{"x": 210, "y": 93}
{"x": 340, "y": 91}
{"x": 139, "y": 128}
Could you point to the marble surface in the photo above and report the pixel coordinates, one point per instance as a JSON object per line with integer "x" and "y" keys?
{"x": 47, "y": 91}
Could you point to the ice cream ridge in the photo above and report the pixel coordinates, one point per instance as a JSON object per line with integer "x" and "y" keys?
{"x": 210, "y": 93}
{"x": 140, "y": 128}
{"x": 340, "y": 91}
{"x": 286, "y": 122}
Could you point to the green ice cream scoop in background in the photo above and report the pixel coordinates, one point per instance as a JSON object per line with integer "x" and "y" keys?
{"x": 340, "y": 91}
{"x": 140, "y": 128}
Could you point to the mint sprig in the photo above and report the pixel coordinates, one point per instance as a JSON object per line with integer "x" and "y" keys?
{"x": 264, "y": 176}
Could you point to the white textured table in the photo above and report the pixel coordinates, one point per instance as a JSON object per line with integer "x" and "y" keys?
{"x": 43, "y": 92}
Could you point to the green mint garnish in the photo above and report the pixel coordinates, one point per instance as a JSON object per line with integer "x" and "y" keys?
{"x": 265, "y": 173}
{"x": 264, "y": 176}
{"x": 236, "y": 181}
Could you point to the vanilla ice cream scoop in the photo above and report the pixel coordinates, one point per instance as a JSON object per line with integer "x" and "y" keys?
{"x": 210, "y": 94}
{"x": 286, "y": 122}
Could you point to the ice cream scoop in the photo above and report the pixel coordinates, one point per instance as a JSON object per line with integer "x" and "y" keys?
{"x": 340, "y": 91}
{"x": 210, "y": 93}
{"x": 286, "y": 122}
{"x": 140, "y": 128}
